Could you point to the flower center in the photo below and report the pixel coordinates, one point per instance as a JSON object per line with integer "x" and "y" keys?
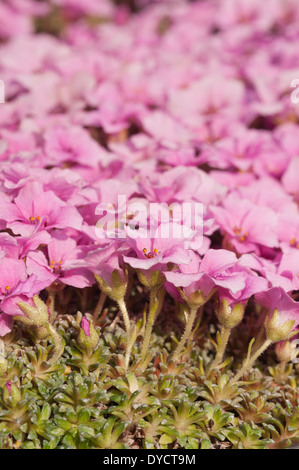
{"x": 294, "y": 243}
{"x": 151, "y": 254}
{"x": 56, "y": 267}
{"x": 5, "y": 290}
{"x": 242, "y": 237}
{"x": 34, "y": 220}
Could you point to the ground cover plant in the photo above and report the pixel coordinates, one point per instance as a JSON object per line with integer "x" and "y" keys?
{"x": 149, "y": 224}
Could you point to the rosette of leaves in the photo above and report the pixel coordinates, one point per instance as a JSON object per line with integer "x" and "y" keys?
{"x": 109, "y": 434}
{"x": 185, "y": 418}
{"x": 215, "y": 422}
{"x": 282, "y": 427}
{"x": 255, "y": 407}
{"x": 218, "y": 390}
{"x": 132, "y": 398}
{"x": 16, "y": 411}
{"x": 246, "y": 436}
{"x": 38, "y": 366}
{"x": 81, "y": 390}
{"x": 167, "y": 388}
{"x": 76, "y": 427}
{"x": 158, "y": 433}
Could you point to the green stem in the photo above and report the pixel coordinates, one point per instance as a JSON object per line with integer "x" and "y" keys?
{"x": 51, "y": 305}
{"x": 130, "y": 343}
{"x": 224, "y": 337}
{"x": 154, "y": 309}
{"x": 3, "y": 360}
{"x": 259, "y": 339}
{"x": 282, "y": 367}
{"x": 187, "y": 333}
{"x": 58, "y": 345}
{"x": 124, "y": 311}
{"x": 99, "y": 306}
{"x": 249, "y": 361}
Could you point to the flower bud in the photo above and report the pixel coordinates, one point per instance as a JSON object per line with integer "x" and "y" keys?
{"x": 197, "y": 299}
{"x": 85, "y": 326}
{"x": 277, "y": 331}
{"x": 88, "y": 337}
{"x": 38, "y": 315}
{"x": 11, "y": 394}
{"x": 7, "y": 391}
{"x": 40, "y": 332}
{"x": 230, "y": 317}
{"x": 285, "y": 351}
{"x": 117, "y": 290}
{"x": 152, "y": 280}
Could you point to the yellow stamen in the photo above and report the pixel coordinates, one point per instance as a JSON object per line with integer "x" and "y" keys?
{"x": 152, "y": 254}
{"x": 243, "y": 237}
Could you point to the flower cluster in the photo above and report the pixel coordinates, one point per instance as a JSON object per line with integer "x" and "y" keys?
{"x": 179, "y": 102}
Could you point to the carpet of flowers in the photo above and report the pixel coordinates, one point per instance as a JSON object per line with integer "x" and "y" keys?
{"x": 111, "y": 340}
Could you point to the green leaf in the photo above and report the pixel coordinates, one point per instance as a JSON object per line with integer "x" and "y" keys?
{"x": 205, "y": 444}
{"x": 46, "y": 412}
{"x": 166, "y": 439}
{"x": 84, "y": 416}
{"x": 63, "y": 423}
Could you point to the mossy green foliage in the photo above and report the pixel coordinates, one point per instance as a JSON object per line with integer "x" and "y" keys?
{"x": 91, "y": 401}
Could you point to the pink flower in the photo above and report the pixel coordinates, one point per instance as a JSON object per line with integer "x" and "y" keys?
{"x": 253, "y": 284}
{"x": 268, "y": 268}
{"x": 268, "y": 192}
{"x": 35, "y": 209}
{"x": 61, "y": 263}
{"x": 89, "y": 7}
{"x": 165, "y": 129}
{"x": 177, "y": 184}
{"x": 288, "y": 231}
{"x": 71, "y": 145}
{"x": 11, "y": 19}
{"x": 289, "y": 268}
{"x": 240, "y": 150}
{"x": 165, "y": 246}
{"x": 216, "y": 269}
{"x": 276, "y": 298}
{"x": 290, "y": 178}
{"x": 15, "y": 286}
{"x": 6, "y": 322}
{"x": 207, "y": 97}
{"x": 247, "y": 226}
